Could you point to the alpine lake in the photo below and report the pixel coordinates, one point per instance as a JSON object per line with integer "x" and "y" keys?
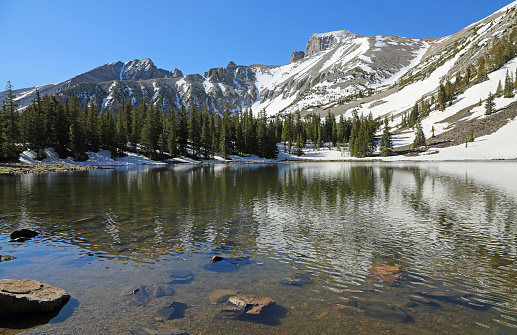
{"x": 341, "y": 247}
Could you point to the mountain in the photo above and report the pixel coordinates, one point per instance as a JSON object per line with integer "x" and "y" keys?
{"x": 339, "y": 71}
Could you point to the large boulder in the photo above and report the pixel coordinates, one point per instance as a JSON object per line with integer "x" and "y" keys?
{"x": 25, "y": 296}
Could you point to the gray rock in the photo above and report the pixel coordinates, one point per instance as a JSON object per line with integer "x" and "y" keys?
{"x": 180, "y": 276}
{"x": 151, "y": 330}
{"x": 386, "y": 312}
{"x": 166, "y": 312}
{"x": 139, "y": 295}
{"x": 25, "y": 296}
{"x": 296, "y": 56}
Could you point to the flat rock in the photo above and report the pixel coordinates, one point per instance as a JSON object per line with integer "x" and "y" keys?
{"x": 166, "y": 312}
{"x": 180, "y": 276}
{"x": 139, "y": 295}
{"x": 24, "y": 296}
{"x": 221, "y": 295}
{"x": 296, "y": 280}
{"x": 386, "y": 312}
{"x": 386, "y": 272}
{"x": 249, "y": 304}
{"x": 151, "y": 330}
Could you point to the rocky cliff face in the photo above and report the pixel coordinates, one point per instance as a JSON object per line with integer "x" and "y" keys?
{"x": 296, "y": 56}
{"x": 335, "y": 71}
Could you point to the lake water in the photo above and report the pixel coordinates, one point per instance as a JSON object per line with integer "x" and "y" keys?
{"x": 311, "y": 236}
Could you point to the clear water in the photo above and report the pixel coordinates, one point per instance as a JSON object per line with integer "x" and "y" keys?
{"x": 307, "y": 234}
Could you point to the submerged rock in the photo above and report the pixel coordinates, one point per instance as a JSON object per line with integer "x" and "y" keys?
{"x": 180, "y": 276}
{"x": 221, "y": 295}
{"x": 296, "y": 280}
{"x": 386, "y": 312}
{"x": 386, "y": 272}
{"x": 25, "y": 296}
{"x": 23, "y": 234}
{"x": 170, "y": 310}
{"x": 138, "y": 295}
{"x": 151, "y": 330}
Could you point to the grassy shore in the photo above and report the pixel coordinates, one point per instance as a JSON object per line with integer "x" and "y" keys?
{"x": 15, "y": 169}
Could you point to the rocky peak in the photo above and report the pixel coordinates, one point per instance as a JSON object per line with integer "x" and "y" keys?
{"x": 231, "y": 65}
{"x": 324, "y": 41}
{"x": 296, "y": 56}
{"x": 177, "y": 73}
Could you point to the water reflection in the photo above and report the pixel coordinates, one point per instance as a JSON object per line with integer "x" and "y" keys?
{"x": 447, "y": 226}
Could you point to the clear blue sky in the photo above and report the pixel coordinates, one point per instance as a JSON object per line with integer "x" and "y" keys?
{"x": 50, "y": 41}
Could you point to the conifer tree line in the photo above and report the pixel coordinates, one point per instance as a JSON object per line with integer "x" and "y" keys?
{"x": 73, "y": 129}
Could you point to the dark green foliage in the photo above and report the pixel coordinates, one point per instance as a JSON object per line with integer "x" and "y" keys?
{"x": 362, "y": 137}
{"x": 419, "y": 136}
{"x": 9, "y": 125}
{"x": 490, "y": 104}
{"x": 508, "y": 86}
{"x": 386, "y": 145}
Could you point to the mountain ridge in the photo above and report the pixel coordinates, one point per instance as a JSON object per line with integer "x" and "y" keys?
{"x": 335, "y": 67}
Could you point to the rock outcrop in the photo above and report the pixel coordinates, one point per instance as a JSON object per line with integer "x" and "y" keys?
{"x": 296, "y": 56}
{"x": 27, "y": 296}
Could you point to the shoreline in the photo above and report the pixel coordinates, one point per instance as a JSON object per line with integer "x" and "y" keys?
{"x": 17, "y": 169}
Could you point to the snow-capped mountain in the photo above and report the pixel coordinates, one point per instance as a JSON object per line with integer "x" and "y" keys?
{"x": 338, "y": 71}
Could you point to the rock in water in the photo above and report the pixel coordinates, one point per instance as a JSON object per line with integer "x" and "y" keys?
{"x": 6, "y": 258}
{"x": 386, "y": 312}
{"x": 386, "y": 272}
{"x": 248, "y": 304}
{"x": 216, "y": 259}
{"x": 180, "y": 276}
{"x": 24, "y": 296}
{"x": 151, "y": 330}
{"x": 23, "y": 233}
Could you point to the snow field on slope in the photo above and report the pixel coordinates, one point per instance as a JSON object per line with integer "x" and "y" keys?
{"x": 469, "y": 98}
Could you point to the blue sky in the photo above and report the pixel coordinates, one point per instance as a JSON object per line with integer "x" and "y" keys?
{"x": 51, "y": 41}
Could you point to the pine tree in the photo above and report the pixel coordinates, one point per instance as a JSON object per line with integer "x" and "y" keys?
{"x": 419, "y": 136}
{"x": 508, "y": 86}
{"x": 10, "y": 124}
{"x": 386, "y": 145}
{"x": 172, "y": 133}
{"x": 490, "y": 104}
{"x": 499, "y": 92}
{"x": 61, "y": 128}
{"x": 77, "y": 132}
{"x": 92, "y": 126}
{"x": 182, "y": 132}
{"x": 150, "y": 131}
{"x": 442, "y": 97}
{"x": 224, "y": 141}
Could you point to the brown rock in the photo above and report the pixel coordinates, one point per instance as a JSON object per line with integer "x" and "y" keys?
{"x": 22, "y": 296}
{"x": 251, "y": 304}
{"x": 386, "y": 272}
